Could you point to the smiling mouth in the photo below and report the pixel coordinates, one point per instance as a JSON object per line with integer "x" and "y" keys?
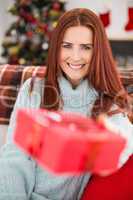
{"x": 75, "y": 66}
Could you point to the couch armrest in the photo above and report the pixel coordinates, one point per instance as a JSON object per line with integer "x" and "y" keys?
{"x": 11, "y": 79}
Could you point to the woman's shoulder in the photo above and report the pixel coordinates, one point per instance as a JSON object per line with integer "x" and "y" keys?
{"x": 33, "y": 84}
{"x": 30, "y": 93}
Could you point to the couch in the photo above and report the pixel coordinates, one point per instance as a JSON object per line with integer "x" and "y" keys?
{"x": 13, "y": 76}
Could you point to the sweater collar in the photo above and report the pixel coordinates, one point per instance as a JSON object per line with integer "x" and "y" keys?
{"x": 82, "y": 96}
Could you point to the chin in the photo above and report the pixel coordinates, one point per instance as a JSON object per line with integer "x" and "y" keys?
{"x": 78, "y": 77}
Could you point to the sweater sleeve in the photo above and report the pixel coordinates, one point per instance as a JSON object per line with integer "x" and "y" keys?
{"x": 125, "y": 128}
{"x": 20, "y": 177}
{"x": 16, "y": 169}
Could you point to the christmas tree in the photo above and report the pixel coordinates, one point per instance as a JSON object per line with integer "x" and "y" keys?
{"x": 26, "y": 41}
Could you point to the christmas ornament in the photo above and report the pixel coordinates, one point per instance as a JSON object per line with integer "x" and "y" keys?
{"x": 54, "y": 14}
{"x": 45, "y": 45}
{"x": 29, "y": 34}
{"x": 13, "y": 32}
{"x": 13, "y": 59}
{"x": 43, "y": 26}
{"x": 25, "y": 2}
{"x": 22, "y": 61}
{"x": 36, "y": 13}
{"x": 13, "y": 50}
{"x": 22, "y": 38}
{"x": 56, "y": 6}
{"x": 51, "y": 26}
{"x": 39, "y": 30}
{"x": 54, "y": 24}
{"x": 27, "y": 16}
{"x": 45, "y": 12}
{"x": 36, "y": 39}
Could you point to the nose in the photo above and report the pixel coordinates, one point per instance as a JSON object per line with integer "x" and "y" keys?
{"x": 76, "y": 54}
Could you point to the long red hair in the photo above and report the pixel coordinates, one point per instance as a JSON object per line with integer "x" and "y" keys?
{"x": 102, "y": 75}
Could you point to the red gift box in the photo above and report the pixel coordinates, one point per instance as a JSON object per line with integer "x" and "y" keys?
{"x": 67, "y": 142}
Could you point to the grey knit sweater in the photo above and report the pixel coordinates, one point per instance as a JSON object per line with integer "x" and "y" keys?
{"x": 21, "y": 178}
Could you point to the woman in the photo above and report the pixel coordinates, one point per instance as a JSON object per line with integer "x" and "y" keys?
{"x": 81, "y": 77}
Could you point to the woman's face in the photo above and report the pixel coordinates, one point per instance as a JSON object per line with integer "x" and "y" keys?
{"x": 76, "y": 53}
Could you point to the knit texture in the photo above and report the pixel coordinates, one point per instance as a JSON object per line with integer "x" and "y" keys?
{"x": 21, "y": 177}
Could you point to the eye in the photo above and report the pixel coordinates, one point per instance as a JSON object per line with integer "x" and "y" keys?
{"x": 86, "y": 47}
{"x": 66, "y": 46}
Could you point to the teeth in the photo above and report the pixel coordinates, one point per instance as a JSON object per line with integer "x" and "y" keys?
{"x": 75, "y": 66}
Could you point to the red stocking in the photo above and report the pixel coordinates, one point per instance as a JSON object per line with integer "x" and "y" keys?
{"x": 105, "y": 17}
{"x": 129, "y": 25}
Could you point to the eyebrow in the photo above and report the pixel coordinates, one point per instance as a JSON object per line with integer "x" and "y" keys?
{"x": 87, "y": 44}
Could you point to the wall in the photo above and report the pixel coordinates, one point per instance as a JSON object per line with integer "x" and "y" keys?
{"x": 119, "y": 16}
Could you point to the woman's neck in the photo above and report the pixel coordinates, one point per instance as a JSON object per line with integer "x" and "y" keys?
{"x": 74, "y": 83}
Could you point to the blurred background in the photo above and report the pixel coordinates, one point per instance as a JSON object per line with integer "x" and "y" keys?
{"x": 26, "y": 26}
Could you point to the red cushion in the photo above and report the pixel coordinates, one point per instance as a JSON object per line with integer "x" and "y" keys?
{"x": 118, "y": 186}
